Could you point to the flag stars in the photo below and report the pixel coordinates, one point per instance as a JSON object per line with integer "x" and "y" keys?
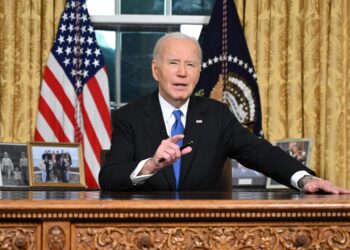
{"x": 235, "y": 59}
{"x": 240, "y": 63}
{"x": 63, "y": 28}
{"x": 68, "y": 50}
{"x": 88, "y": 52}
{"x": 97, "y": 52}
{"x": 87, "y": 62}
{"x": 230, "y": 58}
{"x": 61, "y": 39}
{"x": 82, "y": 40}
{"x": 85, "y": 73}
{"x": 90, "y": 40}
{"x": 75, "y": 50}
{"x": 66, "y": 62}
{"x": 96, "y": 63}
{"x": 246, "y": 65}
{"x": 59, "y": 50}
{"x": 65, "y": 17}
{"x": 78, "y": 84}
{"x": 204, "y": 65}
{"x": 84, "y": 18}
{"x": 216, "y": 59}
{"x": 91, "y": 30}
{"x": 69, "y": 39}
{"x": 72, "y": 16}
{"x": 210, "y": 62}
{"x": 70, "y": 28}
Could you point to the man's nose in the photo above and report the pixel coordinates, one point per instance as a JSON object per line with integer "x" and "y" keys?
{"x": 181, "y": 71}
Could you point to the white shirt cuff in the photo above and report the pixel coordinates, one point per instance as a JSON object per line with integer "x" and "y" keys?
{"x": 139, "y": 179}
{"x": 296, "y": 177}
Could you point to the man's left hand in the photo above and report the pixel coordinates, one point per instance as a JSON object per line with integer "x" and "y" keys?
{"x": 319, "y": 185}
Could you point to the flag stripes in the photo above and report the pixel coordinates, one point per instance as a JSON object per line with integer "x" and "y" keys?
{"x": 74, "y": 97}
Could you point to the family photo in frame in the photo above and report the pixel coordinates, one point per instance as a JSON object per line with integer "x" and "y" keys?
{"x": 300, "y": 149}
{"x": 56, "y": 164}
{"x": 13, "y": 165}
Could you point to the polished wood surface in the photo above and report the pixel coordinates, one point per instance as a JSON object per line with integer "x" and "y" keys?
{"x": 245, "y": 218}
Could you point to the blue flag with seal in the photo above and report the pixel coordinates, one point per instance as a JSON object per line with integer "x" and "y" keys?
{"x": 227, "y": 72}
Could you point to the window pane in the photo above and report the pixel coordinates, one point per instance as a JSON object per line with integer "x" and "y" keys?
{"x": 106, "y": 41}
{"x": 155, "y": 7}
{"x": 193, "y": 7}
{"x": 136, "y": 73}
{"x": 96, "y": 8}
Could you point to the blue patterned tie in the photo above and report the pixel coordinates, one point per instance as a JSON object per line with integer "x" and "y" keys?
{"x": 176, "y": 129}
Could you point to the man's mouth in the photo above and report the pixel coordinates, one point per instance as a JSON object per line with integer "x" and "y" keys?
{"x": 180, "y": 85}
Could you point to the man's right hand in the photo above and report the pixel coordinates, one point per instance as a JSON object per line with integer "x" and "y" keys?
{"x": 167, "y": 153}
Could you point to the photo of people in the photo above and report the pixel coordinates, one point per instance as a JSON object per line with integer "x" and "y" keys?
{"x": 13, "y": 165}
{"x": 55, "y": 164}
{"x": 300, "y": 149}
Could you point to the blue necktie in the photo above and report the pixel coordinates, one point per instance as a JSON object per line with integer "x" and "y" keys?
{"x": 176, "y": 129}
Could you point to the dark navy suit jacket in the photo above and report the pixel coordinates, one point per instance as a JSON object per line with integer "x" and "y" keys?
{"x": 138, "y": 129}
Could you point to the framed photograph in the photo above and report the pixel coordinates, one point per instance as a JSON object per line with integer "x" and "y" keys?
{"x": 299, "y": 149}
{"x": 245, "y": 177}
{"x": 13, "y": 165}
{"x": 56, "y": 164}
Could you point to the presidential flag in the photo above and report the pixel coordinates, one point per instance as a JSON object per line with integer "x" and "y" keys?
{"x": 74, "y": 98}
{"x": 227, "y": 72}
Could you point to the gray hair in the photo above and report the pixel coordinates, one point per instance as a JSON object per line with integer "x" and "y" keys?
{"x": 177, "y": 35}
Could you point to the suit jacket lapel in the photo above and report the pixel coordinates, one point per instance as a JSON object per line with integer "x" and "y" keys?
{"x": 156, "y": 131}
{"x": 195, "y": 121}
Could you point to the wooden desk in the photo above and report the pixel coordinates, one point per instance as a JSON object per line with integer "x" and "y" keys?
{"x": 94, "y": 220}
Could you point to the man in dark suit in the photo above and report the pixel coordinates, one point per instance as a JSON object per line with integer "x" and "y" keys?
{"x": 145, "y": 150}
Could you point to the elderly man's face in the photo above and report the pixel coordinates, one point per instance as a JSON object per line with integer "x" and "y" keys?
{"x": 177, "y": 70}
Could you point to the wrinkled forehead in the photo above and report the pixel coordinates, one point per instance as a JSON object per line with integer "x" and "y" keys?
{"x": 180, "y": 48}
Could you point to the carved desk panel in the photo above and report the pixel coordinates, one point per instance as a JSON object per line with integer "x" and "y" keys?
{"x": 237, "y": 220}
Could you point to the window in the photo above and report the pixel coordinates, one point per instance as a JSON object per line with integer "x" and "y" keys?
{"x": 127, "y": 30}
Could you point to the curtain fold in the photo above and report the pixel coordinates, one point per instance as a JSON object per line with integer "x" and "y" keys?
{"x": 300, "y": 49}
{"x": 301, "y": 54}
{"x": 26, "y": 35}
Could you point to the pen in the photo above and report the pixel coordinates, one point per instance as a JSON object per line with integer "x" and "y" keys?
{"x": 189, "y": 143}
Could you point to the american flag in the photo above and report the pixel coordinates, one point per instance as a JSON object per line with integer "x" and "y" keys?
{"x": 74, "y": 98}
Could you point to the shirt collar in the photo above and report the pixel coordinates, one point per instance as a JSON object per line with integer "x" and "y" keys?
{"x": 167, "y": 108}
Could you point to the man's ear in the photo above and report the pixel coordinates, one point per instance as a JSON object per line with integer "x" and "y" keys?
{"x": 155, "y": 70}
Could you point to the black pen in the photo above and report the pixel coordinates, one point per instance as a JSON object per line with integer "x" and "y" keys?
{"x": 187, "y": 144}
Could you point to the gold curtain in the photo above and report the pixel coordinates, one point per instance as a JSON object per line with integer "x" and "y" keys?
{"x": 300, "y": 49}
{"x": 301, "y": 52}
{"x": 27, "y": 30}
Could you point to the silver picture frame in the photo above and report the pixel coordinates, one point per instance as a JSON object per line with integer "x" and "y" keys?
{"x": 298, "y": 148}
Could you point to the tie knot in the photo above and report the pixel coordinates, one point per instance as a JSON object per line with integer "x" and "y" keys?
{"x": 177, "y": 113}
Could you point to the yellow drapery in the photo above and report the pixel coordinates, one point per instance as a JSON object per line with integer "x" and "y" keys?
{"x": 301, "y": 52}
{"x": 27, "y": 30}
{"x": 299, "y": 49}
